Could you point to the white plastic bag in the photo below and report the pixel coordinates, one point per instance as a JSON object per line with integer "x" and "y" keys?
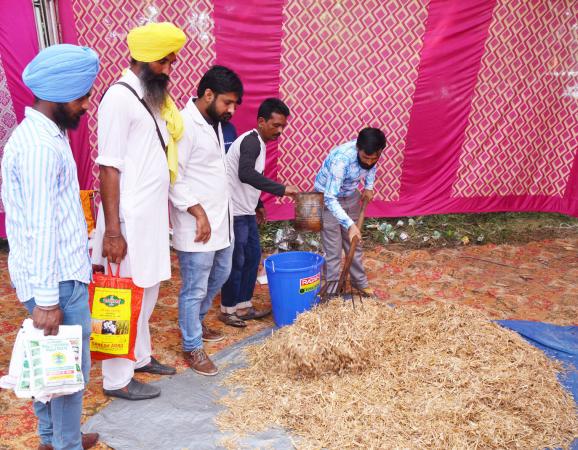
{"x": 15, "y": 369}
{"x": 44, "y": 367}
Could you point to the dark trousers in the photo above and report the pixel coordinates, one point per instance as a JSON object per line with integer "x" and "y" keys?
{"x": 237, "y": 292}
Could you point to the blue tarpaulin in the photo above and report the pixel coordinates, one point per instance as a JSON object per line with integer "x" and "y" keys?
{"x": 558, "y": 342}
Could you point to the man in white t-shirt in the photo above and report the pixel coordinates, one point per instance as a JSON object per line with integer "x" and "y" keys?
{"x": 245, "y": 166}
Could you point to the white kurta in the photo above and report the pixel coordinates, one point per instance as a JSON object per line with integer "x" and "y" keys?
{"x": 202, "y": 179}
{"x": 128, "y": 141}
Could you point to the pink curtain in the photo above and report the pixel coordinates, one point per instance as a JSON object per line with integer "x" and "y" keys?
{"x": 248, "y": 40}
{"x": 450, "y": 60}
{"x": 473, "y": 96}
{"x": 488, "y": 126}
{"x": 448, "y": 81}
{"x": 456, "y": 155}
{"x": 18, "y": 45}
{"x": 79, "y": 137}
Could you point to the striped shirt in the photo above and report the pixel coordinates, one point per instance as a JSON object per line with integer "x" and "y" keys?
{"x": 340, "y": 176}
{"x": 45, "y": 223}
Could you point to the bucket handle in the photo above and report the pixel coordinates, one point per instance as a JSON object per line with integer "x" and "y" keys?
{"x": 319, "y": 259}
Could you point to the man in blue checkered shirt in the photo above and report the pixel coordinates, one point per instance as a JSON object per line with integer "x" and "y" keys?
{"x": 343, "y": 170}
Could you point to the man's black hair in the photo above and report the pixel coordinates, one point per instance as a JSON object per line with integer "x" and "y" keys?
{"x": 270, "y": 106}
{"x": 221, "y": 80}
{"x": 371, "y": 140}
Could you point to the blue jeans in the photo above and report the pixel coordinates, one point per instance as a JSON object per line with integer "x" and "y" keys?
{"x": 240, "y": 286}
{"x": 202, "y": 275}
{"x": 59, "y": 419}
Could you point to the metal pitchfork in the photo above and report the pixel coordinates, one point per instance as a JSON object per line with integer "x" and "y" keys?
{"x": 337, "y": 288}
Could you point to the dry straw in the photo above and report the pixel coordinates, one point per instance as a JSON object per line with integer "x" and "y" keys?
{"x": 435, "y": 376}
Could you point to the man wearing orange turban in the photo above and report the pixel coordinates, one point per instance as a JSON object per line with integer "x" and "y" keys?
{"x": 138, "y": 128}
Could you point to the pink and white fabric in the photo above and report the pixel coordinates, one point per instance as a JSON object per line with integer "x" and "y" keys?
{"x": 8, "y": 123}
{"x": 475, "y": 97}
{"x": 18, "y": 45}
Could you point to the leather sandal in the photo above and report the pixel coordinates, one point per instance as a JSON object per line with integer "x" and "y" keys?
{"x": 232, "y": 320}
{"x": 251, "y": 314}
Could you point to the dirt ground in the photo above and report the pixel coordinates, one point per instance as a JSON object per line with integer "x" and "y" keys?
{"x": 529, "y": 279}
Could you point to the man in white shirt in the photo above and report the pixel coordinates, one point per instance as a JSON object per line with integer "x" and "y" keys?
{"x": 245, "y": 166}
{"x": 201, "y": 211}
{"x": 136, "y": 118}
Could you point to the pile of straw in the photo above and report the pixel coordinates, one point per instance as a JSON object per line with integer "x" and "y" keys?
{"x": 434, "y": 376}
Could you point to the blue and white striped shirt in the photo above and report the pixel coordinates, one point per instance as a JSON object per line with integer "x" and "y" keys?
{"x": 44, "y": 219}
{"x": 340, "y": 176}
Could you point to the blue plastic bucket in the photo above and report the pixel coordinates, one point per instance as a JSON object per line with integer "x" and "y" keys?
{"x": 294, "y": 280}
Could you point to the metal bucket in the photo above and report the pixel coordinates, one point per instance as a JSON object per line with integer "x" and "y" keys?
{"x": 309, "y": 211}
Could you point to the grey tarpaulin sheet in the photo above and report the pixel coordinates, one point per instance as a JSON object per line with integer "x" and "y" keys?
{"x": 183, "y": 416}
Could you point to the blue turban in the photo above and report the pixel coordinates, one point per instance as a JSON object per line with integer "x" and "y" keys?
{"x": 61, "y": 73}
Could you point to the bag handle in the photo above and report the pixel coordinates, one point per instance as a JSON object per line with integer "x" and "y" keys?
{"x": 110, "y": 274}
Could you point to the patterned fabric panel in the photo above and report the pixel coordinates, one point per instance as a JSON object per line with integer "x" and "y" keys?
{"x": 103, "y": 25}
{"x": 523, "y": 128}
{"x": 346, "y": 65}
{"x": 7, "y": 117}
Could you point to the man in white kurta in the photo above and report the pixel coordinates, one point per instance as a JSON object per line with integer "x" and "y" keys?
{"x": 133, "y": 224}
{"x": 201, "y": 211}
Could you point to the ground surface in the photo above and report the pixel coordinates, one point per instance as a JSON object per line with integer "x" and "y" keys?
{"x": 525, "y": 279}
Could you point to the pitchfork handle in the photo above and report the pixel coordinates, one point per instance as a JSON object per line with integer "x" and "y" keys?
{"x": 352, "y": 247}
{"x": 361, "y": 218}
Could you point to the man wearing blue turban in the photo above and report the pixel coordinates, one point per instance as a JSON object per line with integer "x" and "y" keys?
{"x": 48, "y": 262}
{"x": 61, "y": 73}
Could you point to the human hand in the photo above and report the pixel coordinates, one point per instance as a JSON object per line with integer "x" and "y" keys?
{"x": 203, "y": 226}
{"x": 368, "y": 194}
{"x": 352, "y": 232}
{"x": 291, "y": 190}
{"x": 97, "y": 268}
{"x": 47, "y": 318}
{"x": 114, "y": 247}
{"x": 261, "y": 216}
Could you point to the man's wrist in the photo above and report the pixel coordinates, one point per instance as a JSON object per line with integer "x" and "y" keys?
{"x": 48, "y": 308}
{"x": 112, "y": 230}
{"x": 196, "y": 211}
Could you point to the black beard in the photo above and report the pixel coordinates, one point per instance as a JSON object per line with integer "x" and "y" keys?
{"x": 215, "y": 117}
{"x": 365, "y": 166}
{"x": 64, "y": 119}
{"x": 155, "y": 87}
